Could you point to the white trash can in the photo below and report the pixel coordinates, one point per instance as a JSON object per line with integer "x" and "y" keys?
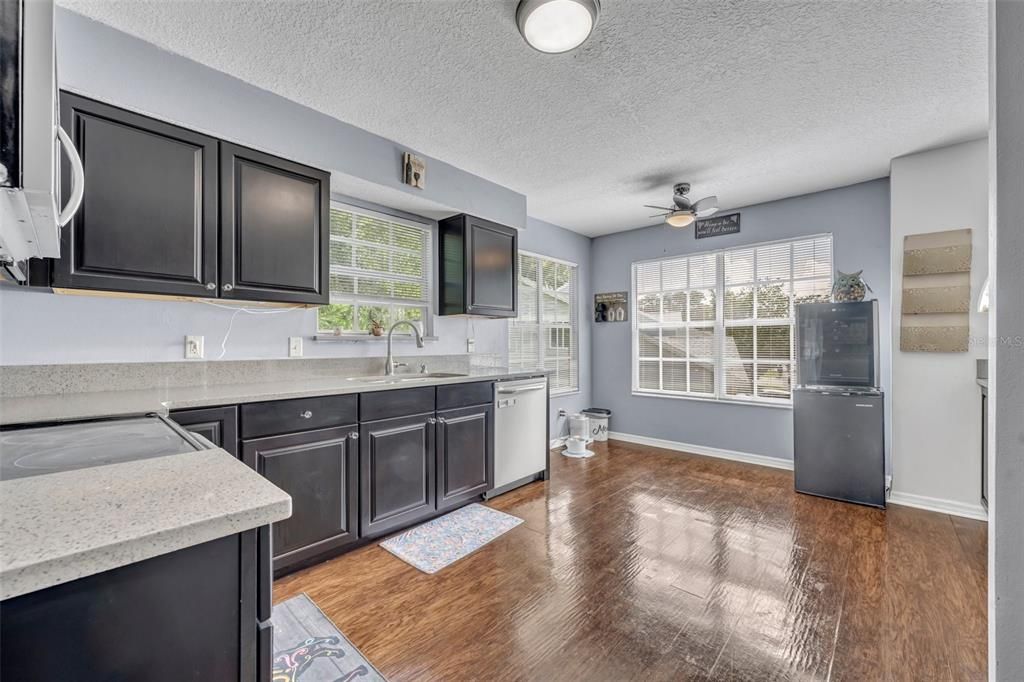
{"x": 598, "y": 417}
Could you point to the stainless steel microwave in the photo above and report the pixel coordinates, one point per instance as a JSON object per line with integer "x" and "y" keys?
{"x": 31, "y": 139}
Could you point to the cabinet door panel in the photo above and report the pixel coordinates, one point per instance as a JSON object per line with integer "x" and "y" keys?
{"x": 492, "y": 255}
{"x": 177, "y": 616}
{"x": 319, "y": 470}
{"x": 219, "y": 425}
{"x": 396, "y": 472}
{"x": 465, "y": 454}
{"x": 148, "y": 221}
{"x": 274, "y": 228}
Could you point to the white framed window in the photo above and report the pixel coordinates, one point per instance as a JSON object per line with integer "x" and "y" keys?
{"x": 380, "y": 271}
{"x": 545, "y": 334}
{"x": 719, "y": 325}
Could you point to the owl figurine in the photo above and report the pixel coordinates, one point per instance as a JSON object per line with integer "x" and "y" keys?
{"x": 849, "y": 287}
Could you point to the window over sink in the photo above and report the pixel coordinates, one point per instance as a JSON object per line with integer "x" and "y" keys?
{"x": 380, "y": 271}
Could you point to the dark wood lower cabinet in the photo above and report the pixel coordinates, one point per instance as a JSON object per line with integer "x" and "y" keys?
{"x": 319, "y": 469}
{"x": 219, "y": 425}
{"x": 465, "y": 447}
{"x": 186, "y": 615}
{"x": 396, "y": 459}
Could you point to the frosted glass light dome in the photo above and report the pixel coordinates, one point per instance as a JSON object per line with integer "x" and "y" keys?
{"x": 555, "y": 26}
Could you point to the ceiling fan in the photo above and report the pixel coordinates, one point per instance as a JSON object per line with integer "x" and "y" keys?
{"x": 685, "y": 211}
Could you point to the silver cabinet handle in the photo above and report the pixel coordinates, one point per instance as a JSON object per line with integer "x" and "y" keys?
{"x": 431, "y": 420}
{"x": 354, "y": 435}
{"x": 306, "y": 415}
{"x": 211, "y": 286}
{"x": 442, "y": 420}
{"x": 228, "y": 287}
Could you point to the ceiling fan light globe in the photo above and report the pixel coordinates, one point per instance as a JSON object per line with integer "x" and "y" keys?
{"x": 680, "y": 219}
{"x": 555, "y": 26}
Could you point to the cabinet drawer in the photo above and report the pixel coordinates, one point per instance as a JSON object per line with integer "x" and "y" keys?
{"x": 301, "y": 414}
{"x": 463, "y": 395}
{"x": 398, "y": 403}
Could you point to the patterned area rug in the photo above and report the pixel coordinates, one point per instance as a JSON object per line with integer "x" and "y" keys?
{"x": 309, "y": 648}
{"x": 447, "y": 539}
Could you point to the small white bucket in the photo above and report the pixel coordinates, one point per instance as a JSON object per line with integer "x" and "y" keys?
{"x": 598, "y": 425}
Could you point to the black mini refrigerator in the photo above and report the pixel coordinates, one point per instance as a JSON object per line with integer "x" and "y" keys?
{"x": 838, "y": 409}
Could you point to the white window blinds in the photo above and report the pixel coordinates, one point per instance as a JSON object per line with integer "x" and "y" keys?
{"x": 544, "y": 335}
{"x": 380, "y": 271}
{"x": 720, "y": 325}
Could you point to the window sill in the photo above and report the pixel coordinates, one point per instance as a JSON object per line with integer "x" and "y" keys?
{"x": 565, "y": 394}
{"x": 717, "y": 401}
{"x": 356, "y": 338}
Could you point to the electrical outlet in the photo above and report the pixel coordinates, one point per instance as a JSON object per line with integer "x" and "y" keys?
{"x": 562, "y": 412}
{"x": 470, "y": 345}
{"x": 295, "y": 346}
{"x": 194, "y": 348}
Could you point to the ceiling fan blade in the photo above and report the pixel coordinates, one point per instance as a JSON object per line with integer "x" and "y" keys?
{"x": 706, "y": 206}
{"x": 660, "y": 208}
{"x": 659, "y": 215}
{"x": 681, "y": 202}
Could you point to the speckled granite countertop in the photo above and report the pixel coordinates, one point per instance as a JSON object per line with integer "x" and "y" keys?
{"x": 59, "y": 527}
{"x": 72, "y": 406}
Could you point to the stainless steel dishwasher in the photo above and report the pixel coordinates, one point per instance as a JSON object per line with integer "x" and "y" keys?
{"x": 520, "y": 433}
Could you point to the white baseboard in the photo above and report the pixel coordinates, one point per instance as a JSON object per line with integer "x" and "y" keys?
{"x": 936, "y": 504}
{"x": 970, "y": 511}
{"x": 735, "y": 455}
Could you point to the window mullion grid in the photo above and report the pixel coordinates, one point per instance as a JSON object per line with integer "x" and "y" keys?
{"x": 661, "y": 333}
{"x": 541, "y": 342}
{"x": 719, "y": 327}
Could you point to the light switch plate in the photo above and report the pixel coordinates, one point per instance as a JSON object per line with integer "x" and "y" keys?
{"x": 470, "y": 345}
{"x": 295, "y": 346}
{"x": 194, "y": 348}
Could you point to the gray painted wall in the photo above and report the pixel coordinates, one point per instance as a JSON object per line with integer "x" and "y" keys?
{"x": 858, "y": 218}
{"x": 1006, "y": 326}
{"x": 550, "y": 240}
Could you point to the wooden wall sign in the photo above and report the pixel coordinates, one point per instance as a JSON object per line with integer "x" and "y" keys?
{"x": 717, "y": 226}
{"x": 611, "y": 307}
{"x": 414, "y": 170}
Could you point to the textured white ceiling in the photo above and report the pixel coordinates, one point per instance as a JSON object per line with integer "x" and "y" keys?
{"x": 747, "y": 99}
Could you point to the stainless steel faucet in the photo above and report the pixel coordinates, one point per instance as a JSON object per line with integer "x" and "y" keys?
{"x": 390, "y": 365}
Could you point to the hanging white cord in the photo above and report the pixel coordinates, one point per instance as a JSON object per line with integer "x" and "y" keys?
{"x": 231, "y": 322}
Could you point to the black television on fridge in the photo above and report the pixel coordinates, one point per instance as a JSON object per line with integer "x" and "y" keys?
{"x": 837, "y": 344}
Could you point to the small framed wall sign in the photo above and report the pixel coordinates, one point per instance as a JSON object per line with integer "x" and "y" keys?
{"x": 611, "y": 307}
{"x": 717, "y": 226}
{"x": 414, "y": 170}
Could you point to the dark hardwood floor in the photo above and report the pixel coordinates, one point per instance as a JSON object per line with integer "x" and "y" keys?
{"x": 645, "y": 564}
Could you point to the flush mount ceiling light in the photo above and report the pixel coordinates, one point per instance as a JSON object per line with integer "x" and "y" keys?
{"x": 555, "y": 26}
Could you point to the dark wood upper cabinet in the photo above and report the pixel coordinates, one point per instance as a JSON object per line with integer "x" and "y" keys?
{"x": 319, "y": 469}
{"x": 396, "y": 462}
{"x": 274, "y": 228}
{"x": 170, "y": 211}
{"x": 148, "y": 221}
{"x": 219, "y": 425}
{"x": 465, "y": 454}
{"x": 478, "y": 262}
